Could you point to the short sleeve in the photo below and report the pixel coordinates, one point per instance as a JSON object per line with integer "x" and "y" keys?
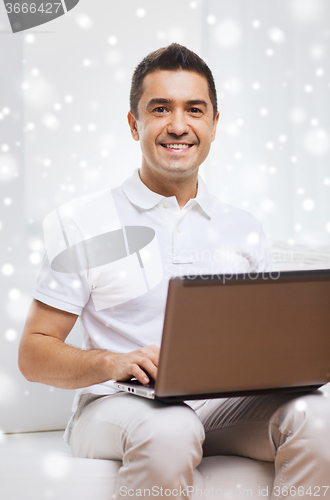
{"x": 69, "y": 292}
{"x": 63, "y": 279}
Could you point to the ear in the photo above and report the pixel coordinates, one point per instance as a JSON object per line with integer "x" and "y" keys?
{"x": 133, "y": 126}
{"x": 214, "y": 126}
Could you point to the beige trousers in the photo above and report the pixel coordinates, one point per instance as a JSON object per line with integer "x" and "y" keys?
{"x": 160, "y": 445}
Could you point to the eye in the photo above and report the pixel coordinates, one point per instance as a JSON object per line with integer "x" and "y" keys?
{"x": 160, "y": 109}
{"x": 195, "y": 111}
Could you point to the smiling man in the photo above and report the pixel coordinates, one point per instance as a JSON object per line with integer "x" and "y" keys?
{"x": 121, "y": 300}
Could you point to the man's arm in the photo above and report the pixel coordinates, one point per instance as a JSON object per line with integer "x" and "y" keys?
{"x": 44, "y": 357}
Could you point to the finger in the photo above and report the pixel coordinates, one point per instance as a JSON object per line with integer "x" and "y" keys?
{"x": 139, "y": 374}
{"x": 152, "y": 352}
{"x": 149, "y": 366}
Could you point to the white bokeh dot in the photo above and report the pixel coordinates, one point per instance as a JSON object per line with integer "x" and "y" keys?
{"x": 29, "y": 38}
{"x": 256, "y": 86}
{"x": 50, "y": 121}
{"x": 68, "y": 98}
{"x": 53, "y": 285}
{"x": 252, "y": 238}
{"x": 297, "y": 116}
{"x": 308, "y": 89}
{"x": 211, "y": 19}
{"x": 308, "y": 205}
{"x": 301, "y": 405}
{"x": 300, "y": 191}
{"x": 141, "y": 12}
{"x": 161, "y": 35}
{"x": 276, "y": 35}
{"x": 84, "y": 21}
{"x": 317, "y": 142}
{"x": 305, "y": 11}
{"x": 36, "y": 244}
{"x": 267, "y": 206}
{"x": 7, "y": 201}
{"x": 319, "y": 72}
{"x": 56, "y": 465}
{"x": 35, "y": 258}
{"x": 269, "y": 52}
{"x": 317, "y": 51}
{"x": 327, "y": 227}
{"x": 7, "y": 269}
{"x": 112, "y": 40}
{"x": 14, "y": 294}
{"x": 8, "y": 168}
{"x": 256, "y": 23}
{"x": 326, "y": 181}
{"x": 11, "y": 335}
{"x": 233, "y": 85}
{"x": 228, "y": 33}
{"x": 263, "y": 111}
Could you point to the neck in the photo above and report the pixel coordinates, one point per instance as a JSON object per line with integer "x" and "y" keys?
{"x": 183, "y": 189}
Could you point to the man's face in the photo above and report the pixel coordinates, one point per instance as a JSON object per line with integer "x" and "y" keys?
{"x": 175, "y": 125}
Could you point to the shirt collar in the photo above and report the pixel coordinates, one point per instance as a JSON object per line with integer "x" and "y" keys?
{"x": 140, "y": 195}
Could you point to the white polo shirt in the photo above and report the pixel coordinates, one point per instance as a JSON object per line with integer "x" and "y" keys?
{"x": 111, "y": 254}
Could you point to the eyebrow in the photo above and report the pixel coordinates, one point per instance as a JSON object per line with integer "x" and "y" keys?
{"x": 161, "y": 100}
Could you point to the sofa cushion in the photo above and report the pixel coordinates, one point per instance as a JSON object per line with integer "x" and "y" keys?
{"x": 39, "y": 466}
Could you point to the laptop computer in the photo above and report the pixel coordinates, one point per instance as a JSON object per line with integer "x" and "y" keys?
{"x": 246, "y": 334}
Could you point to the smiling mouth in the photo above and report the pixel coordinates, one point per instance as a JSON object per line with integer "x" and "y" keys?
{"x": 177, "y": 147}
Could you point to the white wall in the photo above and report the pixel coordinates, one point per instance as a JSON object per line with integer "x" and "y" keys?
{"x": 272, "y": 153}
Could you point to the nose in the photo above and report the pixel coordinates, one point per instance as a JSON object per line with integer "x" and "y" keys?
{"x": 177, "y": 123}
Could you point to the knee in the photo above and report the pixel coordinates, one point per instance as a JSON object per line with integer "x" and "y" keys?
{"x": 173, "y": 434}
{"x": 302, "y": 420}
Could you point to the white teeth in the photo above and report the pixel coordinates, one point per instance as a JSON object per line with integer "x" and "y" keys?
{"x": 177, "y": 146}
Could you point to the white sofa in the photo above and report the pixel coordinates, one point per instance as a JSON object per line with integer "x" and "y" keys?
{"x": 39, "y": 466}
{"x": 36, "y": 463}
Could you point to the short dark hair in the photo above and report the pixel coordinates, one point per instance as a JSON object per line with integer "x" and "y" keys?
{"x": 173, "y": 57}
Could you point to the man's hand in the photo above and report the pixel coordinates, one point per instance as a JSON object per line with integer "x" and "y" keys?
{"x": 137, "y": 364}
